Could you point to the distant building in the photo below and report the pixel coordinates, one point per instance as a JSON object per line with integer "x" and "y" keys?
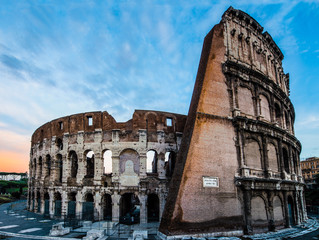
{"x": 9, "y": 176}
{"x": 310, "y": 168}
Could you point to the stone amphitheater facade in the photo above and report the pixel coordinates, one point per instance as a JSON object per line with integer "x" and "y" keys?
{"x": 237, "y": 169}
{"x": 239, "y": 155}
{"x": 69, "y": 156}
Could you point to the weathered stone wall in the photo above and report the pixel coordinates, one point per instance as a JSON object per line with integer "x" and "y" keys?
{"x": 239, "y": 134}
{"x": 68, "y": 156}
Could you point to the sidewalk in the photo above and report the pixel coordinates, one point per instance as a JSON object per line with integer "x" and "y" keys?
{"x": 17, "y": 223}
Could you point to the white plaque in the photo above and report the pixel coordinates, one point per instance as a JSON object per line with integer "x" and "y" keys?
{"x": 210, "y": 182}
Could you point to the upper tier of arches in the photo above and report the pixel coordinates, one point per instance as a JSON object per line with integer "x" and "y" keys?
{"x": 151, "y": 121}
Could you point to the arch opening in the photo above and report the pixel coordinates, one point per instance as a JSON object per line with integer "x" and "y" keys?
{"x": 90, "y": 164}
{"x": 152, "y": 208}
{"x": 151, "y": 161}
{"x": 72, "y": 205}
{"x": 129, "y": 209}
{"x": 58, "y": 204}
{"x": 74, "y": 164}
{"x": 107, "y": 207}
{"x": 170, "y": 158}
{"x": 88, "y": 207}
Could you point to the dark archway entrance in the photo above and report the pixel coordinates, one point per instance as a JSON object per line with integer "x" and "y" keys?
{"x": 107, "y": 207}
{"x": 152, "y": 208}
{"x": 291, "y": 211}
{"x": 129, "y": 209}
{"x": 46, "y": 204}
{"x": 58, "y": 205}
{"x": 72, "y": 205}
{"x": 88, "y": 208}
{"x": 286, "y": 160}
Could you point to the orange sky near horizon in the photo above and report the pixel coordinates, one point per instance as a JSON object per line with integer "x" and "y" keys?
{"x": 14, "y": 162}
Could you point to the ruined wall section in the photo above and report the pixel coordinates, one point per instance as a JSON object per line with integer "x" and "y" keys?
{"x": 68, "y": 162}
{"x": 152, "y": 121}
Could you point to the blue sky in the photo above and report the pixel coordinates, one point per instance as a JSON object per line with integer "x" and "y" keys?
{"x": 63, "y": 57}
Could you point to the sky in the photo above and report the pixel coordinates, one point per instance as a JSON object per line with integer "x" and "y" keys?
{"x": 59, "y": 58}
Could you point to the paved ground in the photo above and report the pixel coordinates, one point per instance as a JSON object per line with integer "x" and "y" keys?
{"x": 17, "y": 224}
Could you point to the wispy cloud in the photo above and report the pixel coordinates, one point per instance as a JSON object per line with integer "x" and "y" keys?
{"x": 59, "y": 58}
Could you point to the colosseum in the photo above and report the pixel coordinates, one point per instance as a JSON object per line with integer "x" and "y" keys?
{"x": 91, "y": 167}
{"x": 237, "y": 168}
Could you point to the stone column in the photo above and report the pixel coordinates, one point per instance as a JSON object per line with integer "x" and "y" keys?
{"x": 98, "y": 168}
{"x": 66, "y": 168}
{"x": 247, "y": 209}
{"x": 143, "y": 159}
{"x": 297, "y": 207}
{"x": 42, "y": 202}
{"x": 81, "y": 167}
{"x": 78, "y": 208}
{"x": 64, "y": 204}
{"x": 35, "y": 206}
{"x": 271, "y": 220}
{"x": 161, "y": 165}
{"x": 97, "y": 206}
{"x": 116, "y": 207}
{"x": 51, "y": 203}
{"x": 302, "y": 203}
{"x": 162, "y": 200}
{"x": 115, "y": 167}
{"x": 143, "y": 208}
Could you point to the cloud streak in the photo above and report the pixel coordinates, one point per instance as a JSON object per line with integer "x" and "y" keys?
{"x": 59, "y": 58}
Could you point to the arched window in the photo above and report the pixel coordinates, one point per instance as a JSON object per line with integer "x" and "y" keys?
{"x": 277, "y": 114}
{"x": 107, "y": 162}
{"x": 151, "y": 161}
{"x": 245, "y": 101}
{"x": 59, "y": 144}
{"x": 272, "y": 157}
{"x": 74, "y": 164}
{"x": 170, "y": 163}
{"x": 287, "y": 121}
{"x": 286, "y": 160}
{"x": 48, "y": 165}
{"x": 264, "y": 107}
{"x": 252, "y": 154}
{"x": 59, "y": 171}
{"x": 34, "y": 167}
{"x": 90, "y": 164}
{"x": 40, "y": 167}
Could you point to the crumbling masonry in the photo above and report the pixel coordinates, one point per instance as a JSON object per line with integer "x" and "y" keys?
{"x": 237, "y": 169}
{"x": 67, "y": 174}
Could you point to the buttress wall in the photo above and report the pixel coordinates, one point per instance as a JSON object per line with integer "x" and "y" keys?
{"x": 238, "y": 169}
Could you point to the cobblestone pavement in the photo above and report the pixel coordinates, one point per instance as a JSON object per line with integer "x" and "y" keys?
{"x": 17, "y": 223}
